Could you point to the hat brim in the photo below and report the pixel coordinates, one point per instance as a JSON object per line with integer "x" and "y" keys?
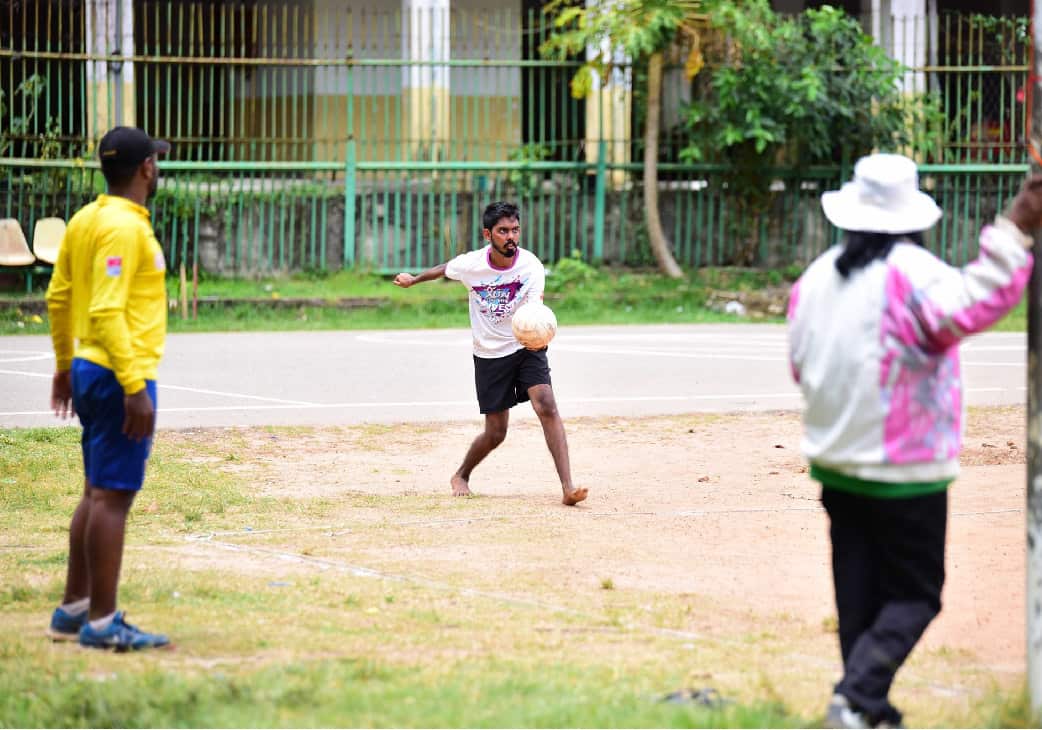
{"x": 160, "y": 146}
{"x": 846, "y": 210}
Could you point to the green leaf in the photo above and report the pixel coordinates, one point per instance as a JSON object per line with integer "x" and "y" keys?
{"x": 568, "y": 15}
{"x": 582, "y": 83}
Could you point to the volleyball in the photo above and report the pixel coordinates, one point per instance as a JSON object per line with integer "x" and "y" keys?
{"x": 534, "y": 325}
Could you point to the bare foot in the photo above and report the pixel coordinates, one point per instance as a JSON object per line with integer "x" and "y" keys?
{"x": 460, "y": 488}
{"x": 575, "y": 496}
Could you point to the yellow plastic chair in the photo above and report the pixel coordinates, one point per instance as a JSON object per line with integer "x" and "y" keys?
{"x": 47, "y": 238}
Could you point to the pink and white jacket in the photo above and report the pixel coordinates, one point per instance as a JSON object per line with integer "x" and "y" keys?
{"x": 877, "y": 354}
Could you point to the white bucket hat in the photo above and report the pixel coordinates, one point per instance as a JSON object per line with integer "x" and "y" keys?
{"x": 883, "y": 197}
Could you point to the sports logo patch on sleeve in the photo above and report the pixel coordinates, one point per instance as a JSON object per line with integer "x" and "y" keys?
{"x": 114, "y": 265}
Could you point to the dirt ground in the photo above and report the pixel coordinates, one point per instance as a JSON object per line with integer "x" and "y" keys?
{"x": 701, "y": 505}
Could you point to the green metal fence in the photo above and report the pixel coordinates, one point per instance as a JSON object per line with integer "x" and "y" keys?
{"x": 324, "y": 134}
{"x": 270, "y": 217}
{"x": 980, "y": 71}
{"x": 285, "y": 80}
{"x": 288, "y": 80}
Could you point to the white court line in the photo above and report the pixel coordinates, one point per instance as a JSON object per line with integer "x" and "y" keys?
{"x": 758, "y": 339}
{"x": 730, "y": 340}
{"x": 703, "y": 355}
{"x": 724, "y": 353}
{"x": 720, "y": 354}
{"x": 35, "y": 356}
{"x": 441, "y": 403}
{"x": 575, "y": 333}
{"x": 164, "y": 386}
{"x": 563, "y": 346}
{"x": 28, "y": 375}
{"x": 470, "y": 402}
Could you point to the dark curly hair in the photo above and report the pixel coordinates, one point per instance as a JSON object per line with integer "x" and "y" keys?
{"x": 497, "y": 211}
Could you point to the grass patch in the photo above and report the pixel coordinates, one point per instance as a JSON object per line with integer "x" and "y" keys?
{"x": 1016, "y": 320}
{"x": 578, "y": 293}
{"x": 42, "y": 482}
{"x": 283, "y": 631}
{"x": 358, "y": 693}
{"x": 1010, "y": 710}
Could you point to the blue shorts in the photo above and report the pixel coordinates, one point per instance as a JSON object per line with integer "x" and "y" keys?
{"x": 111, "y": 460}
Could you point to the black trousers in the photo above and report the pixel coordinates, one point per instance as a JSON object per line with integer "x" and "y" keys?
{"x": 888, "y": 570}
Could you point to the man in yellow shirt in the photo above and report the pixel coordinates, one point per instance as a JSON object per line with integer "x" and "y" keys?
{"x": 107, "y": 307}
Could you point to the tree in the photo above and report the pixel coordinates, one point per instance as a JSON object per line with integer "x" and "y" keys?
{"x": 643, "y": 30}
{"x": 794, "y": 92}
{"x": 29, "y": 91}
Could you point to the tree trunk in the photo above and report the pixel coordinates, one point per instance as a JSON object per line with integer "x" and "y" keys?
{"x": 660, "y": 245}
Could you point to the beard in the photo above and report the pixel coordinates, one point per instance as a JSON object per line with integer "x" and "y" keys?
{"x": 508, "y": 252}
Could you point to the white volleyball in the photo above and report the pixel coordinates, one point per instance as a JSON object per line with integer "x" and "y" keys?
{"x": 534, "y": 325}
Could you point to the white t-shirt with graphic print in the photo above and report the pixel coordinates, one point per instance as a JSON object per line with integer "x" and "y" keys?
{"x": 495, "y": 294}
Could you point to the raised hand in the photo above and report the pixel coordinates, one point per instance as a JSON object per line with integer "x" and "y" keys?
{"x": 1026, "y": 209}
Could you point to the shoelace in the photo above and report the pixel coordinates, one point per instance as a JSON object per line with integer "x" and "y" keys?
{"x": 123, "y": 621}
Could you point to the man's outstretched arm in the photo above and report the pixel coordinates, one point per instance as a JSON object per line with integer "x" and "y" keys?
{"x": 405, "y": 280}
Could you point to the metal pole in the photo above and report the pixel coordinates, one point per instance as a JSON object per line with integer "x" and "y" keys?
{"x": 350, "y": 175}
{"x": 885, "y": 17}
{"x": 599, "y": 205}
{"x": 1034, "y": 385}
{"x": 117, "y": 67}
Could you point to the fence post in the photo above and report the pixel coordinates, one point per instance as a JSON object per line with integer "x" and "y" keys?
{"x": 599, "y": 200}
{"x": 350, "y": 174}
{"x": 349, "y": 204}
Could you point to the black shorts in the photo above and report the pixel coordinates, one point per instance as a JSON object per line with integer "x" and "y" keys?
{"x": 503, "y": 382}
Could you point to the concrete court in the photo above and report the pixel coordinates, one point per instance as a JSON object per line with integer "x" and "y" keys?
{"x": 349, "y": 377}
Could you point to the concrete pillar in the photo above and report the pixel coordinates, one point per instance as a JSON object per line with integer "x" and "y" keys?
{"x": 882, "y": 24}
{"x": 609, "y": 108}
{"x": 906, "y": 37}
{"x": 110, "y": 84}
{"x": 425, "y": 86}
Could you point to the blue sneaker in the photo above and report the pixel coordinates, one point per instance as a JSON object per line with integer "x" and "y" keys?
{"x": 121, "y": 636}
{"x": 66, "y": 626}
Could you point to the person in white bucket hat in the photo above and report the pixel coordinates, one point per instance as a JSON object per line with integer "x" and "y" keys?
{"x": 874, "y": 328}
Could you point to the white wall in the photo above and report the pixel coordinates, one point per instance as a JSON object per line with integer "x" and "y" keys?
{"x": 373, "y": 29}
{"x": 486, "y": 29}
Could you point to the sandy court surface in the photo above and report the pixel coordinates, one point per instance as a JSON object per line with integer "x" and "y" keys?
{"x": 708, "y": 505}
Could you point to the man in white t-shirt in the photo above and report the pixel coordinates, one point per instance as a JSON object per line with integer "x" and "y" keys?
{"x": 500, "y": 278}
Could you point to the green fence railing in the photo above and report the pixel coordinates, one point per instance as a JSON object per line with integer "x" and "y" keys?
{"x": 296, "y": 81}
{"x": 323, "y": 135}
{"x": 254, "y": 218}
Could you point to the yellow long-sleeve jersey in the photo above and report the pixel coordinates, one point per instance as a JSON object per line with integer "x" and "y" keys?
{"x": 108, "y": 292}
